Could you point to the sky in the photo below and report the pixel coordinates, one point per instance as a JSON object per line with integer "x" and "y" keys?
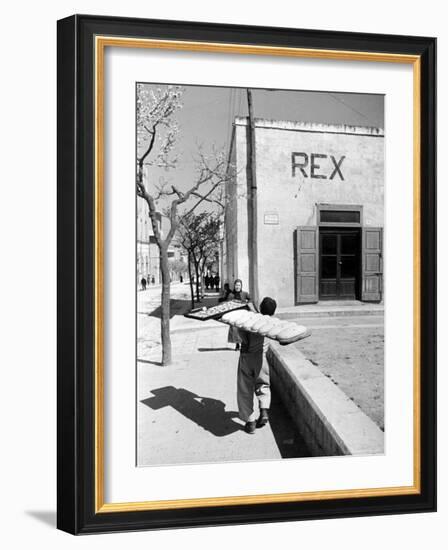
{"x": 208, "y": 112}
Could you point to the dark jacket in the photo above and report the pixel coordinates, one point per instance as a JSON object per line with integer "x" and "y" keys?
{"x": 242, "y": 296}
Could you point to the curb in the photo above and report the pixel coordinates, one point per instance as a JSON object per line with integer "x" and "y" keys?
{"x": 342, "y": 312}
{"x": 328, "y": 420}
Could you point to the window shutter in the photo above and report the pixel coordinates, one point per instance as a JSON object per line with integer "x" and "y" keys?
{"x": 306, "y": 264}
{"x": 372, "y": 264}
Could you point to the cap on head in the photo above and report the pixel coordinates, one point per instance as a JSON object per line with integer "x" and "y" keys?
{"x": 268, "y": 306}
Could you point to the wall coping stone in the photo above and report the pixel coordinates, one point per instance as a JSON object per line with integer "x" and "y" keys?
{"x": 345, "y": 426}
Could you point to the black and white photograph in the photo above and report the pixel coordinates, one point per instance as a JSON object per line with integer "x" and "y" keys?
{"x": 219, "y": 292}
{"x": 259, "y": 283}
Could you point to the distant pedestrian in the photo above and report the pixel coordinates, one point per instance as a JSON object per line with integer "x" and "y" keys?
{"x": 239, "y": 295}
{"x": 253, "y": 375}
{"x": 143, "y": 283}
{"x": 181, "y": 279}
{"x": 216, "y": 281}
{"x": 153, "y": 280}
{"x": 207, "y": 281}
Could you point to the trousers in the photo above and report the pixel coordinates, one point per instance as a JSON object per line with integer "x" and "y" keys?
{"x": 252, "y": 381}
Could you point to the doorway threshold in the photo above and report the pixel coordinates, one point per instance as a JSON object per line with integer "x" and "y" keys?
{"x": 331, "y": 308}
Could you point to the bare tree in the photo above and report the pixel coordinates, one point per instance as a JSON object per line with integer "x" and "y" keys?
{"x": 177, "y": 267}
{"x": 189, "y": 239}
{"x": 157, "y": 135}
{"x": 208, "y": 243}
{"x": 199, "y": 234}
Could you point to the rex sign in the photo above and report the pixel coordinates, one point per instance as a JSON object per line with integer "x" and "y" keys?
{"x": 317, "y": 165}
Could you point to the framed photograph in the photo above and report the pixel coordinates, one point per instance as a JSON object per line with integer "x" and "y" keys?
{"x": 246, "y": 274}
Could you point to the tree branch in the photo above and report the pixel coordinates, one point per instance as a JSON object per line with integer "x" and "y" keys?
{"x": 152, "y": 212}
{"x": 193, "y": 191}
{"x": 205, "y": 198}
{"x": 178, "y": 193}
{"x": 151, "y": 144}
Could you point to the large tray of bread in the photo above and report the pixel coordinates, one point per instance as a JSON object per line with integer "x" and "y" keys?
{"x": 285, "y": 332}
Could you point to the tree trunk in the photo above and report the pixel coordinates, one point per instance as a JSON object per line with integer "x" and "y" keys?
{"x": 191, "y": 281}
{"x": 165, "y": 307}
{"x": 202, "y": 268}
{"x": 198, "y": 281}
{"x": 201, "y": 274}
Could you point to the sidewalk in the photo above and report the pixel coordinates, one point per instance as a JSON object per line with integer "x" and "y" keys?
{"x": 187, "y": 412}
{"x": 148, "y": 320}
{"x": 330, "y": 308}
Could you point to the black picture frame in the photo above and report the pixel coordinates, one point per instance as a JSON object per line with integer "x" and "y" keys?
{"x": 76, "y": 475}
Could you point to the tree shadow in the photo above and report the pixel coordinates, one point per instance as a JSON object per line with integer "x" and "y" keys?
{"x": 157, "y": 363}
{"x": 216, "y": 349}
{"x": 208, "y": 413}
{"x": 177, "y": 307}
{"x": 180, "y": 306}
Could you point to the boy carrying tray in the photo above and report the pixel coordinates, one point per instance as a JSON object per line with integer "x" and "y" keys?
{"x": 253, "y": 374}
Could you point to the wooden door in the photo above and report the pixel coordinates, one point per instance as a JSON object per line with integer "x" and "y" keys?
{"x": 372, "y": 264}
{"x": 339, "y": 264}
{"x": 306, "y": 263}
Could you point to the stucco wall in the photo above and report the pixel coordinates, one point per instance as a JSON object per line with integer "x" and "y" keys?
{"x": 287, "y": 200}
{"x": 237, "y": 258}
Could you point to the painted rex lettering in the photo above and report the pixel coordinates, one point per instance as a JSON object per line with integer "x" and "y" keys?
{"x": 302, "y": 160}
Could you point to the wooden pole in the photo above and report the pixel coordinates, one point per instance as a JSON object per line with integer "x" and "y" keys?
{"x": 252, "y": 198}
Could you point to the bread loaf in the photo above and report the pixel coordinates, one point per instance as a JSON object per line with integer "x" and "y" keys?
{"x": 231, "y": 317}
{"x": 268, "y": 326}
{"x": 262, "y": 320}
{"x": 243, "y": 318}
{"x": 292, "y": 333}
{"x": 277, "y": 328}
{"x": 251, "y": 321}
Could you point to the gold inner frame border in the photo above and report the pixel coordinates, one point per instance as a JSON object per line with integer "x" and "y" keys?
{"x": 101, "y": 42}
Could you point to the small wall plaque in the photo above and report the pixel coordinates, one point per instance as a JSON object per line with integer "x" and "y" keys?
{"x": 271, "y": 218}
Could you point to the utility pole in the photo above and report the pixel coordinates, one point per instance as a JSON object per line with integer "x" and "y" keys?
{"x": 252, "y": 198}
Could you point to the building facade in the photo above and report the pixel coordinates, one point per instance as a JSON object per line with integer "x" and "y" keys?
{"x": 316, "y": 216}
{"x": 178, "y": 259}
{"x": 147, "y": 253}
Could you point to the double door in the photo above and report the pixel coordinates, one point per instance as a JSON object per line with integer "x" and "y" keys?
{"x": 339, "y": 264}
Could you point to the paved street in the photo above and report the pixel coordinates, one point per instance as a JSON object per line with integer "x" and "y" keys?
{"x": 189, "y": 408}
{"x": 350, "y": 351}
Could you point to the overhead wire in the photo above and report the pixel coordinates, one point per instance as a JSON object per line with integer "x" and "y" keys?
{"x": 342, "y": 102}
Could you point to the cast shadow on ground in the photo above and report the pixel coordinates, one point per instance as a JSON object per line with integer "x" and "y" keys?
{"x": 208, "y": 413}
{"x": 48, "y": 517}
{"x": 216, "y": 349}
{"x": 289, "y": 441}
{"x": 177, "y": 307}
{"x": 157, "y": 363}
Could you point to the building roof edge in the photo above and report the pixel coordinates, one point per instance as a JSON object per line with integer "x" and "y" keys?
{"x": 318, "y": 127}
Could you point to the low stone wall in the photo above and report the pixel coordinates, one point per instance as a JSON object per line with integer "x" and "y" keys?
{"x": 327, "y": 419}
